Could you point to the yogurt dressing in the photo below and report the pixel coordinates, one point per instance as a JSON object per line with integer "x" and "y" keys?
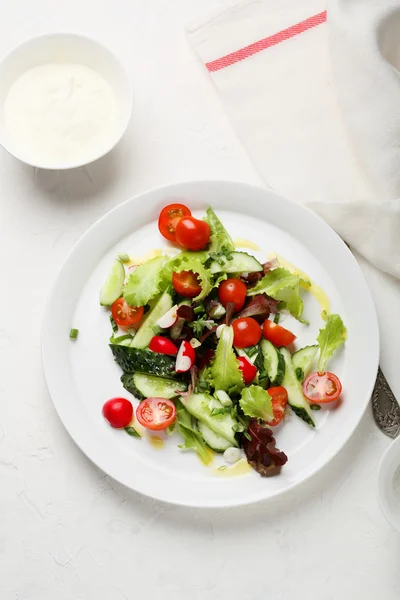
{"x": 60, "y": 114}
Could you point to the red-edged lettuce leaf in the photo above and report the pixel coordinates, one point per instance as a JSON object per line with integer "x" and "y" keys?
{"x": 259, "y": 307}
{"x": 261, "y": 452}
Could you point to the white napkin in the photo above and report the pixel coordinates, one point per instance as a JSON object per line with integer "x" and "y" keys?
{"x": 317, "y": 107}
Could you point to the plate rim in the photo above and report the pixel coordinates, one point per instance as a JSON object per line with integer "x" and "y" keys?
{"x": 166, "y": 189}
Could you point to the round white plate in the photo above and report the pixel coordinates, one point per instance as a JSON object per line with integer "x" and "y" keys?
{"x": 81, "y": 374}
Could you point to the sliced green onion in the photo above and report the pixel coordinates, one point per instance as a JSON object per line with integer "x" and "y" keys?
{"x": 132, "y": 431}
{"x": 247, "y": 435}
{"x": 277, "y": 318}
{"x": 315, "y": 407}
{"x": 73, "y": 334}
{"x": 124, "y": 257}
{"x": 113, "y": 324}
{"x": 121, "y": 338}
{"x": 198, "y": 309}
{"x": 222, "y": 468}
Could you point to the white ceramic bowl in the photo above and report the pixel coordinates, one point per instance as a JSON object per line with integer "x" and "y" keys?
{"x": 389, "y": 484}
{"x": 69, "y": 48}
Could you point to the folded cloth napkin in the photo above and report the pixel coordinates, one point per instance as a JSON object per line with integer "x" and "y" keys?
{"x": 313, "y": 92}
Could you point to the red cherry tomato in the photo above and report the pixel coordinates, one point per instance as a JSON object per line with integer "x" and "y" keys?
{"x": 163, "y": 345}
{"x": 249, "y": 371}
{"x": 279, "y": 398}
{"x": 118, "y": 412}
{"x": 232, "y": 290}
{"x": 169, "y": 217}
{"x": 156, "y": 413}
{"x": 277, "y": 335}
{"x": 192, "y": 233}
{"x": 186, "y": 284}
{"x": 125, "y": 315}
{"x": 320, "y": 388}
{"x": 246, "y": 332}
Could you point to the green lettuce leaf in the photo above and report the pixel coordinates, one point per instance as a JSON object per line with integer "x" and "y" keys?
{"x": 220, "y": 240}
{"x": 192, "y": 438}
{"x": 191, "y": 261}
{"x": 282, "y": 285}
{"x": 329, "y": 338}
{"x": 224, "y": 370}
{"x": 146, "y": 282}
{"x": 256, "y": 402}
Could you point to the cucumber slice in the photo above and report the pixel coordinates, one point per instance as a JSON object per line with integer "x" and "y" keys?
{"x": 303, "y": 360}
{"x": 223, "y": 425}
{"x": 143, "y": 385}
{"x": 112, "y": 288}
{"x": 274, "y": 363}
{"x": 144, "y": 361}
{"x": 241, "y": 262}
{"x": 216, "y": 442}
{"x": 146, "y": 331}
{"x": 296, "y": 397}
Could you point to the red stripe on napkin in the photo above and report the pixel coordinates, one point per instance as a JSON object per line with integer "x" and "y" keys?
{"x": 272, "y": 40}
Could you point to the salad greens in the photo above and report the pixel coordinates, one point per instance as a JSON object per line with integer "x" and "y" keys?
{"x": 145, "y": 282}
{"x": 220, "y": 240}
{"x": 224, "y": 371}
{"x": 256, "y": 402}
{"x": 199, "y": 332}
{"x": 332, "y": 336}
{"x": 282, "y": 285}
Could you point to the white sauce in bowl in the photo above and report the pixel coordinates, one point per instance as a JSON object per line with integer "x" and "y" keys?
{"x": 61, "y": 113}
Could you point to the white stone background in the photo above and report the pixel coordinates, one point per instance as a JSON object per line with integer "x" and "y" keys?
{"x": 67, "y": 531}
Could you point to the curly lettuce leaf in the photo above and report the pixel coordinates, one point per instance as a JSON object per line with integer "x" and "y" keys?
{"x": 256, "y": 402}
{"x": 284, "y": 286}
{"x": 224, "y": 369}
{"x": 332, "y": 336}
{"x": 192, "y": 438}
{"x": 146, "y": 282}
{"x": 191, "y": 261}
{"x": 220, "y": 240}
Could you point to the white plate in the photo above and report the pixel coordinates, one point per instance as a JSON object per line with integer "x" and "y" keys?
{"x": 81, "y": 375}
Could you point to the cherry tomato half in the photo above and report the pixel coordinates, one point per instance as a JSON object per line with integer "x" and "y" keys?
{"x": 232, "y": 290}
{"x": 246, "y": 332}
{"x": 169, "y": 217}
{"x": 125, "y": 315}
{"x": 156, "y": 413}
{"x": 118, "y": 412}
{"x": 320, "y": 388}
{"x": 278, "y": 335}
{"x": 192, "y": 233}
{"x": 279, "y": 398}
{"x": 249, "y": 371}
{"x": 186, "y": 284}
{"x": 162, "y": 345}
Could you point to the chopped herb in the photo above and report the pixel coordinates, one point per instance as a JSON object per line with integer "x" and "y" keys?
{"x": 277, "y": 318}
{"x": 222, "y": 468}
{"x": 132, "y": 431}
{"x": 200, "y": 324}
{"x": 124, "y": 257}
{"x": 199, "y": 309}
{"x": 315, "y": 407}
{"x": 121, "y": 338}
{"x": 73, "y": 334}
{"x": 300, "y": 374}
{"x": 113, "y": 324}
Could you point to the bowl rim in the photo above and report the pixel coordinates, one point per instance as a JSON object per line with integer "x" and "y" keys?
{"x": 124, "y": 73}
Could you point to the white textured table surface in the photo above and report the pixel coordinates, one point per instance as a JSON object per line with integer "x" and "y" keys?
{"x": 68, "y": 532}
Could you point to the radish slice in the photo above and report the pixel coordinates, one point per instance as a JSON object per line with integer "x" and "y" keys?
{"x": 169, "y": 318}
{"x": 186, "y": 357}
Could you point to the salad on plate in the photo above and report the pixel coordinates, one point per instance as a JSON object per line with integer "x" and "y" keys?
{"x": 198, "y": 337}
